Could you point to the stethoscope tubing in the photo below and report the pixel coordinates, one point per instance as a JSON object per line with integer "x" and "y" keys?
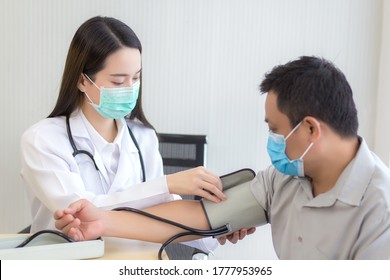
{"x": 77, "y": 151}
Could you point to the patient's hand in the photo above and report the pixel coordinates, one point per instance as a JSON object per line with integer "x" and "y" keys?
{"x": 80, "y": 221}
{"x": 237, "y": 235}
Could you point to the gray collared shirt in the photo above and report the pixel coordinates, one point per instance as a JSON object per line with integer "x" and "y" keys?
{"x": 351, "y": 221}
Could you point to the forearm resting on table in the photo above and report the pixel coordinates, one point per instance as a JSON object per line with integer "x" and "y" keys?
{"x": 135, "y": 226}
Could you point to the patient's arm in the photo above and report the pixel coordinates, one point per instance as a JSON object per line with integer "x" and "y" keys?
{"x": 83, "y": 221}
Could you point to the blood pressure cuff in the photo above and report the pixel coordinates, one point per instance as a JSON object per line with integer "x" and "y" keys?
{"x": 241, "y": 209}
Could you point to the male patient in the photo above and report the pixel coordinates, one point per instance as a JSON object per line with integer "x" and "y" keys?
{"x": 326, "y": 195}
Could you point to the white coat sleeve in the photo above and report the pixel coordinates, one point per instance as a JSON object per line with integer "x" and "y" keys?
{"x": 51, "y": 176}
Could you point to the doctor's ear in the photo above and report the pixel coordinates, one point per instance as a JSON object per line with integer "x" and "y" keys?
{"x": 314, "y": 128}
{"x": 82, "y": 83}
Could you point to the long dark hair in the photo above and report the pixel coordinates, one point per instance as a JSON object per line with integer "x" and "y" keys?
{"x": 93, "y": 42}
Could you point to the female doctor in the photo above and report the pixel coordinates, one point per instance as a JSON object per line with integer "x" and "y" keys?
{"x": 97, "y": 144}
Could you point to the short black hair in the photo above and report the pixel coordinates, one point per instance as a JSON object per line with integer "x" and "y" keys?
{"x": 312, "y": 86}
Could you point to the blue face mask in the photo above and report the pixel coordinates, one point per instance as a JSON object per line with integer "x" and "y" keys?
{"x": 276, "y": 148}
{"x": 116, "y": 103}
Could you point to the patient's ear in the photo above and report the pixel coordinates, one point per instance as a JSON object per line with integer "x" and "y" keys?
{"x": 313, "y": 127}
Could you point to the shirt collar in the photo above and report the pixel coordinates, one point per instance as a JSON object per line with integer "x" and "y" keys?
{"x": 99, "y": 142}
{"x": 352, "y": 182}
{"x": 77, "y": 124}
{"x": 357, "y": 176}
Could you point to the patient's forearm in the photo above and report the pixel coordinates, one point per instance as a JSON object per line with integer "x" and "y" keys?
{"x": 135, "y": 226}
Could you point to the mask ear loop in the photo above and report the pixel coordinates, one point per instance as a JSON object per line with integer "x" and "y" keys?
{"x": 90, "y": 101}
{"x": 292, "y": 131}
{"x": 92, "y": 82}
{"x": 307, "y": 150}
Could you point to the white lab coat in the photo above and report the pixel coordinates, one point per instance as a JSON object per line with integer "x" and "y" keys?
{"x": 54, "y": 178}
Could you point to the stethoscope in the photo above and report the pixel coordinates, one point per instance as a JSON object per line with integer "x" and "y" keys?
{"x": 77, "y": 151}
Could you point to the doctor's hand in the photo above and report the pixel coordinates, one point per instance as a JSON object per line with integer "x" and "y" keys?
{"x": 237, "y": 235}
{"x": 196, "y": 181}
{"x": 80, "y": 221}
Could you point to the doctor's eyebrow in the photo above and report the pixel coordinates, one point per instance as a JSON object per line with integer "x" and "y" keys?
{"x": 124, "y": 75}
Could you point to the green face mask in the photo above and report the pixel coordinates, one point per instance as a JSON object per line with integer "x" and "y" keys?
{"x": 116, "y": 103}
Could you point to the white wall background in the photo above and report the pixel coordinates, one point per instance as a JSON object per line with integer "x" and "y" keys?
{"x": 382, "y": 131}
{"x": 202, "y": 63}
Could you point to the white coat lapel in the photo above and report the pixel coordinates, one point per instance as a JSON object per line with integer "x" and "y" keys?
{"x": 83, "y": 141}
{"x": 129, "y": 168}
